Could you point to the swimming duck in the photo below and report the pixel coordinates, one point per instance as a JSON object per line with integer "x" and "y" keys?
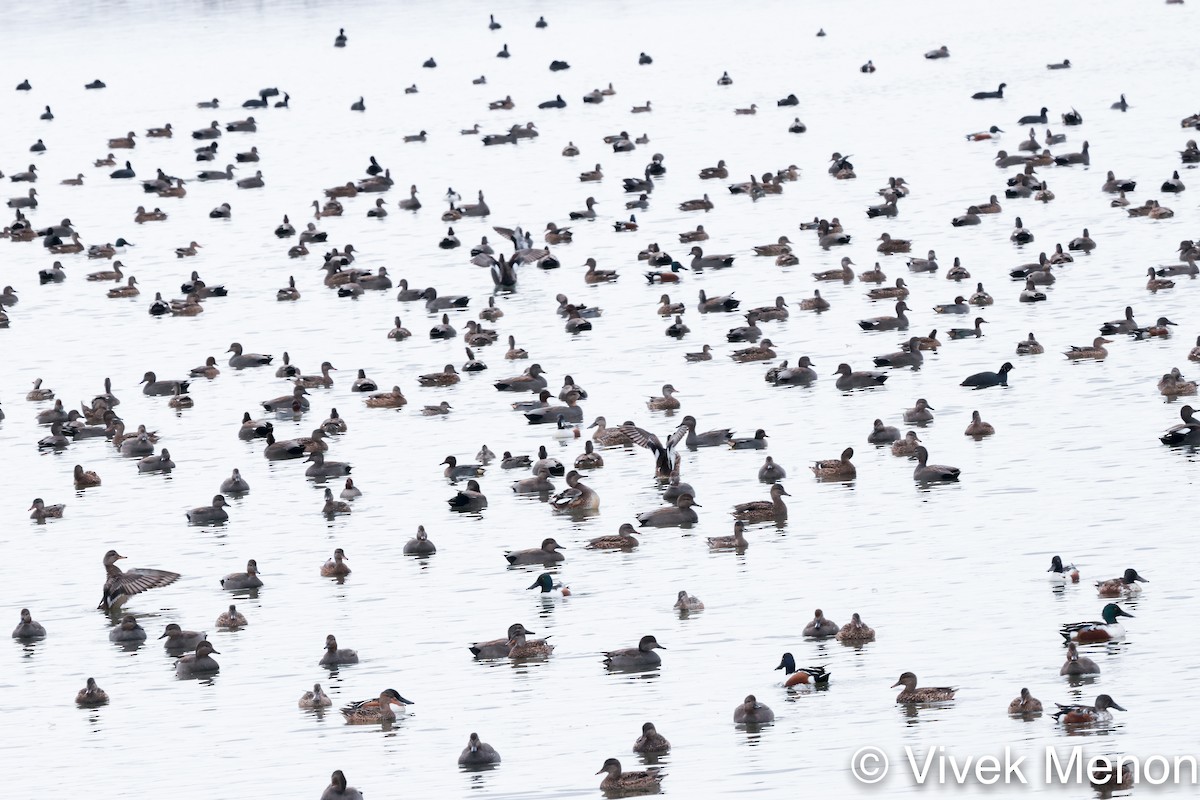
{"x": 626, "y": 783}
{"x": 205, "y": 515}
{"x": 837, "y": 468}
{"x": 912, "y": 694}
{"x": 756, "y": 442}
{"x": 1087, "y": 715}
{"x": 334, "y": 656}
{"x": 91, "y": 695}
{"x": 1096, "y": 351}
{"x": 906, "y": 446}
{"x": 670, "y": 516}
{"x": 179, "y": 639}
{"x": 900, "y": 290}
{"x": 546, "y": 554}
{"x": 315, "y": 698}
{"x": 419, "y": 545}
{"x": 393, "y": 399}
{"x": 820, "y": 626}
{"x": 888, "y": 245}
{"x": 27, "y": 628}
{"x": 521, "y": 648}
{"x": 334, "y": 507}
{"x": 85, "y": 479}
{"x": 642, "y": 656}
{"x": 1077, "y": 664}
{"x": 752, "y": 712}
{"x": 868, "y": 67}
{"x": 496, "y": 648}
{"x": 576, "y": 497}
{"x": 919, "y": 414}
{"x": 200, "y": 662}
{"x": 549, "y": 589}
{"x": 980, "y": 297}
{"x": 978, "y": 428}
{"x": 243, "y": 580}
{"x": 478, "y": 753}
{"x": 686, "y": 602}
{"x": 1087, "y": 632}
{"x": 336, "y": 566}
{"x": 1025, "y": 704}
{"x": 887, "y": 323}
{"x": 1060, "y": 573}
{"x": 1031, "y": 294}
{"x": 1124, "y": 586}
{"x": 803, "y": 675}
{"x": 770, "y": 472}
{"x": 231, "y": 618}
{"x": 845, "y": 274}
{"x": 736, "y": 542}
{"x": 910, "y": 356}
{"x": 369, "y": 712}
{"x": 856, "y": 631}
{"x": 1155, "y": 284}
{"x": 982, "y": 380}
{"x": 930, "y": 473}
{"x": 321, "y": 469}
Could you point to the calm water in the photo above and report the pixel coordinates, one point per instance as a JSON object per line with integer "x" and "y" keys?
{"x": 952, "y": 579}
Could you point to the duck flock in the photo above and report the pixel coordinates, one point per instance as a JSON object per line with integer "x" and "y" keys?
{"x": 624, "y": 292}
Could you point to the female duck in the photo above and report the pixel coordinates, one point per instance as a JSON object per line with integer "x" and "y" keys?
{"x": 419, "y": 545}
{"x": 577, "y": 496}
{"x": 802, "y": 675}
{"x": 336, "y": 567}
{"x": 688, "y": 602}
{"x": 478, "y": 753}
{"x": 589, "y": 459}
{"x": 623, "y": 539}
{"x": 856, "y": 631}
{"x": 91, "y": 695}
{"x": 520, "y": 648}
{"x": 752, "y": 712}
{"x": 1025, "y": 704}
{"x": 737, "y": 541}
{"x": 179, "y": 639}
{"x": 1077, "y": 664}
{"x": 368, "y": 712}
{"x": 545, "y": 582}
{"x": 837, "y": 468}
{"x": 231, "y": 618}
{"x": 315, "y": 699}
{"x": 619, "y": 783}
{"x": 198, "y": 663}
{"x": 27, "y": 628}
{"x": 773, "y": 509}
{"x": 334, "y": 656}
{"x": 495, "y": 648}
{"x": 338, "y": 790}
{"x": 1085, "y": 632}
{"x": 640, "y": 657}
{"x": 926, "y": 694}
{"x": 651, "y": 742}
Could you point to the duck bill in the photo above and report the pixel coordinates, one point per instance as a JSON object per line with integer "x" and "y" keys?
{"x": 1123, "y": 613}
{"x": 1117, "y": 707}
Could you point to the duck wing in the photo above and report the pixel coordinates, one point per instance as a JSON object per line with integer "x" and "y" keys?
{"x": 135, "y": 581}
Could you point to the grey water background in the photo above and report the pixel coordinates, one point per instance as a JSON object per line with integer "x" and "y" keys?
{"x": 952, "y": 578}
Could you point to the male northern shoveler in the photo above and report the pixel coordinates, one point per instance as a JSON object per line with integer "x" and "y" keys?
{"x": 803, "y": 675}
{"x": 1124, "y": 586}
{"x": 924, "y": 694}
{"x": 1025, "y": 704}
{"x": 1087, "y": 715}
{"x": 856, "y": 631}
{"x": 548, "y": 587}
{"x": 1085, "y": 632}
{"x": 1077, "y": 664}
{"x": 368, "y": 712}
{"x": 1060, "y": 573}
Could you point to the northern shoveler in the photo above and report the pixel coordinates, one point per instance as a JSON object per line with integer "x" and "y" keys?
{"x": 368, "y": 712}
{"x": 1087, "y": 715}
{"x": 1060, "y": 573}
{"x": 925, "y": 694}
{"x": 548, "y": 587}
{"x": 1124, "y": 586}
{"x": 802, "y": 675}
{"x": 1085, "y": 632}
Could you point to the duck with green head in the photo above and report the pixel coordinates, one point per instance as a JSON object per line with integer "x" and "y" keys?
{"x": 548, "y": 588}
{"x": 1085, "y": 632}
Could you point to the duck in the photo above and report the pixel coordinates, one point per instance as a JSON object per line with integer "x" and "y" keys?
{"x": 157, "y": 463}
{"x": 771, "y": 472}
{"x": 1097, "y": 351}
{"x": 478, "y": 753}
{"x": 640, "y": 657}
{"x": 909, "y": 356}
{"x": 419, "y": 545}
{"x": 336, "y": 566}
{"x": 837, "y": 468}
{"x": 546, "y": 554}
{"x": 625, "y": 783}
{"x": 316, "y": 698}
{"x": 666, "y": 402}
{"x": 906, "y": 446}
{"x": 85, "y": 479}
{"x": 925, "y": 472}
{"x": 1076, "y": 664}
{"x": 978, "y": 428}
{"x": 521, "y": 648}
{"x": 334, "y": 507}
{"x": 1124, "y": 586}
{"x": 548, "y": 588}
{"x": 205, "y": 515}
{"x": 735, "y": 542}
{"x": 179, "y": 639}
{"x": 671, "y": 516}
{"x": 335, "y": 656}
{"x": 982, "y": 380}
{"x": 1062, "y": 574}
{"x": 91, "y": 694}
{"x": 756, "y": 442}
{"x": 651, "y": 742}
{"x": 804, "y": 675}
{"x": 1025, "y": 704}
{"x": 1087, "y": 715}
{"x": 200, "y": 662}
{"x": 231, "y": 618}
{"x": 496, "y": 648}
{"x": 900, "y": 290}
{"x": 1088, "y": 632}
{"x": 912, "y": 694}
{"x": 393, "y": 399}
{"x": 370, "y": 712}
{"x": 27, "y": 628}
{"x": 685, "y": 602}
{"x": 752, "y": 712}
{"x": 576, "y": 497}
{"x": 888, "y": 245}
{"x": 887, "y": 323}
{"x": 856, "y": 631}
{"x": 249, "y": 579}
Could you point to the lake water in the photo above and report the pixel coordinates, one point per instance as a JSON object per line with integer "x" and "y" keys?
{"x": 951, "y": 577}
